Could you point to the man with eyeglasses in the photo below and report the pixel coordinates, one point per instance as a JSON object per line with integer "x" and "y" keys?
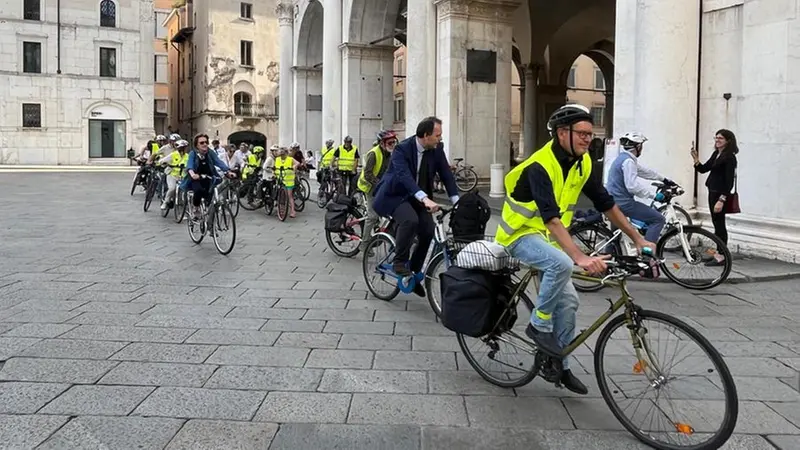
{"x": 541, "y": 196}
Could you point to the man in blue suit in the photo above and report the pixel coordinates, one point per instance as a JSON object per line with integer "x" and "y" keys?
{"x": 405, "y": 193}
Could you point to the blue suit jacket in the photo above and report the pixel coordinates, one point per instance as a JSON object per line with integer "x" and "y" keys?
{"x": 192, "y": 164}
{"x": 399, "y": 183}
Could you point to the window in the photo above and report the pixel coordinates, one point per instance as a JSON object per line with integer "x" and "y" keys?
{"x": 161, "y": 31}
{"x": 160, "y": 105}
{"x": 571, "y": 78}
{"x": 32, "y": 10}
{"x": 32, "y": 57}
{"x": 598, "y": 114}
{"x": 31, "y": 115}
{"x": 314, "y": 103}
{"x": 599, "y": 80}
{"x": 108, "y": 62}
{"x": 246, "y": 11}
{"x": 246, "y": 53}
{"x": 400, "y": 68}
{"x": 241, "y": 104}
{"x": 108, "y": 14}
{"x": 161, "y": 69}
{"x": 400, "y": 108}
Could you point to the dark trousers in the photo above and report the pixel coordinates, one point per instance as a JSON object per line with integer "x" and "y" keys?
{"x": 718, "y": 219}
{"x": 201, "y": 189}
{"x": 412, "y": 218}
{"x": 348, "y": 183}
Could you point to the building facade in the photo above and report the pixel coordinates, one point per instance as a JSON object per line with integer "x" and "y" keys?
{"x": 76, "y": 81}
{"x": 223, "y": 70}
{"x": 683, "y": 71}
{"x": 161, "y": 66}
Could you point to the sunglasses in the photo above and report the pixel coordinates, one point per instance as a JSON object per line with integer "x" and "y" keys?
{"x": 202, "y": 142}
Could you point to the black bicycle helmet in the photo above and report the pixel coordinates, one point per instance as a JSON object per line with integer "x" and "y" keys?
{"x": 568, "y": 115}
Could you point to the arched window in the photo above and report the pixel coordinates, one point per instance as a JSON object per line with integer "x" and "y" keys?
{"x": 108, "y": 14}
{"x": 242, "y": 104}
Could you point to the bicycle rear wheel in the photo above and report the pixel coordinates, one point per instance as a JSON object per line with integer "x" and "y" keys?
{"x": 151, "y": 192}
{"x": 351, "y": 236}
{"x": 466, "y": 179}
{"x": 283, "y": 204}
{"x": 506, "y": 340}
{"x": 306, "y": 189}
{"x": 377, "y": 267}
{"x": 678, "y": 267}
{"x": 299, "y": 197}
{"x": 180, "y": 205}
{"x": 232, "y": 199}
{"x": 618, "y": 368}
{"x": 223, "y": 227}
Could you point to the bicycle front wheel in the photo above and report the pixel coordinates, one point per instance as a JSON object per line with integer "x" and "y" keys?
{"x": 180, "y": 205}
{"x": 697, "y": 266}
{"x": 223, "y": 229}
{"x": 283, "y": 204}
{"x": 625, "y": 379}
{"x": 148, "y": 197}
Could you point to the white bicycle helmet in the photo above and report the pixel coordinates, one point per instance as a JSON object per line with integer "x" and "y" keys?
{"x": 295, "y": 145}
{"x": 632, "y": 139}
{"x": 174, "y": 137}
{"x": 181, "y": 143}
{"x": 161, "y": 137}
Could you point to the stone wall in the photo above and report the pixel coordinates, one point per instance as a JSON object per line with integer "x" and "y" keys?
{"x": 67, "y": 99}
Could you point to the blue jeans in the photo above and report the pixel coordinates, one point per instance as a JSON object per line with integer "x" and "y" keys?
{"x": 557, "y": 294}
{"x": 650, "y": 216}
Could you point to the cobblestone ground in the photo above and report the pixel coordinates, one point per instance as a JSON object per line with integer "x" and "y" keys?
{"x": 118, "y": 332}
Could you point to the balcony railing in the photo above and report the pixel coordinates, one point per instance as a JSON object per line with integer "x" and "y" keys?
{"x": 251, "y": 110}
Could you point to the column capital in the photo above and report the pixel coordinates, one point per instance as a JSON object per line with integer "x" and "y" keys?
{"x": 366, "y": 51}
{"x": 491, "y": 10}
{"x": 285, "y": 13}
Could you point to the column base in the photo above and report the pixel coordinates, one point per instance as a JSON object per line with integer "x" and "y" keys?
{"x": 497, "y": 175}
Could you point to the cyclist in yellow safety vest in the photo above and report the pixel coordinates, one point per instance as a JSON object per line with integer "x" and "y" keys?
{"x": 285, "y": 167}
{"x": 345, "y": 158}
{"x": 325, "y": 161}
{"x": 541, "y": 196}
{"x": 252, "y": 159}
{"x": 177, "y": 161}
{"x": 163, "y": 148}
{"x": 375, "y": 165}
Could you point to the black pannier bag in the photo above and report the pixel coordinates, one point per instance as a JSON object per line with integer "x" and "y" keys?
{"x": 473, "y": 300}
{"x": 336, "y": 217}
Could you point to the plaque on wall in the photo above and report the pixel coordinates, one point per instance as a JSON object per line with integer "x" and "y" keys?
{"x": 481, "y": 66}
{"x": 314, "y": 103}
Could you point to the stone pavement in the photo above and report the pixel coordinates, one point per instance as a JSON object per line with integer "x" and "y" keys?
{"x": 118, "y": 332}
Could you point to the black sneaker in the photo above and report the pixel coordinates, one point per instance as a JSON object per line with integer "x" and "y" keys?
{"x": 401, "y": 269}
{"x": 572, "y": 383}
{"x": 546, "y": 342}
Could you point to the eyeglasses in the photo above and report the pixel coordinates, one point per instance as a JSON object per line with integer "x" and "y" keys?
{"x": 202, "y": 142}
{"x": 391, "y": 143}
{"x": 586, "y": 135}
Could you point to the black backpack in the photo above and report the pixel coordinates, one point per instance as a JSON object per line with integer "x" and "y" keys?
{"x": 469, "y": 218}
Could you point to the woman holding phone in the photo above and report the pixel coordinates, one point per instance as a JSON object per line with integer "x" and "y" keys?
{"x": 721, "y": 169}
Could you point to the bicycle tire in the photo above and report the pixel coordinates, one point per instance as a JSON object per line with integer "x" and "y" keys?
{"x": 250, "y": 190}
{"x": 148, "y": 197}
{"x": 681, "y": 213}
{"x": 731, "y": 396}
{"x": 329, "y": 237}
{"x": 195, "y": 227}
{"x": 223, "y": 210}
{"x": 299, "y": 202}
{"x": 694, "y": 229}
{"x": 615, "y": 247}
{"x": 283, "y": 203}
{"x": 468, "y": 177}
{"x": 377, "y": 240}
{"x": 181, "y": 200}
{"x": 306, "y": 189}
{"x": 232, "y": 199}
{"x": 135, "y": 183}
{"x": 506, "y": 383}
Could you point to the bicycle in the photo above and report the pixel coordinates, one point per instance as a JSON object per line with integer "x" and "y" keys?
{"x": 216, "y": 216}
{"x": 383, "y": 265}
{"x": 676, "y": 238}
{"x": 644, "y": 364}
{"x": 465, "y": 176}
{"x": 248, "y": 196}
{"x": 348, "y": 234}
{"x": 156, "y": 186}
{"x": 141, "y": 177}
{"x": 302, "y": 181}
{"x": 274, "y": 193}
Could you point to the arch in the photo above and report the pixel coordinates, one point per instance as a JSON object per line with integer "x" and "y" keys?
{"x": 308, "y": 50}
{"x": 577, "y": 35}
{"x": 372, "y": 21}
{"x": 107, "y": 109}
{"x": 521, "y": 32}
{"x": 108, "y": 13}
{"x": 247, "y": 136}
{"x": 245, "y": 86}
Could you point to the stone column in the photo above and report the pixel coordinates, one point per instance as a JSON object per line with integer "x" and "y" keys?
{"x": 521, "y": 142}
{"x": 367, "y": 96}
{"x": 655, "y": 90}
{"x": 331, "y": 72}
{"x": 285, "y": 12}
{"x": 307, "y": 122}
{"x": 476, "y": 115}
{"x": 420, "y": 91}
{"x": 530, "y": 108}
